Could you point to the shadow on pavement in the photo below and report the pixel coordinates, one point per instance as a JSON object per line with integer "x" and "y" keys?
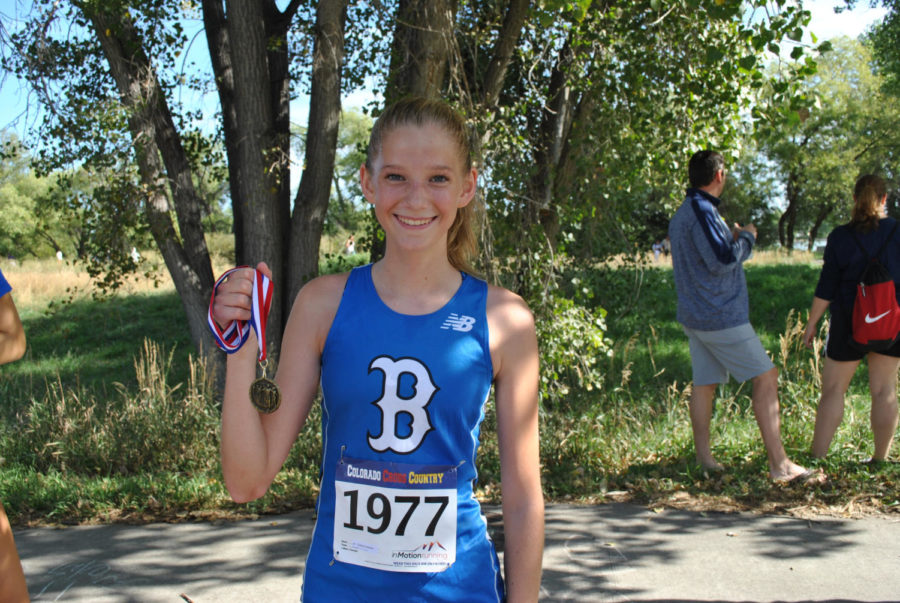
{"x": 610, "y": 552}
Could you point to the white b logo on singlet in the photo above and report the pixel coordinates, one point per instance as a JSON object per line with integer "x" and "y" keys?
{"x": 392, "y": 405}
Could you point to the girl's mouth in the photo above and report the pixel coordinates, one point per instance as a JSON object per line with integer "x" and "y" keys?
{"x": 414, "y": 221}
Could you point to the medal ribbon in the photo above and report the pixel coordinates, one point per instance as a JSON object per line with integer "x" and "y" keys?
{"x": 236, "y": 332}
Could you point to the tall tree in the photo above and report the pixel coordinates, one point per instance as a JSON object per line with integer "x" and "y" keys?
{"x": 107, "y": 73}
{"x": 848, "y": 129}
{"x": 884, "y": 38}
{"x": 585, "y": 109}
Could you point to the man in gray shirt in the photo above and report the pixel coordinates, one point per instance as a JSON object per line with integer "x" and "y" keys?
{"x": 713, "y": 309}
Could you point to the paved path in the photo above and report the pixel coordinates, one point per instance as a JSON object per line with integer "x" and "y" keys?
{"x": 612, "y": 552}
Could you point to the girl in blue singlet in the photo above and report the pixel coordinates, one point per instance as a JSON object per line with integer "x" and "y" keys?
{"x": 12, "y": 347}
{"x": 406, "y": 351}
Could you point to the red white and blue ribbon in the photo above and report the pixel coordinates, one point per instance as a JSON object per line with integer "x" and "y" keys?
{"x": 236, "y": 332}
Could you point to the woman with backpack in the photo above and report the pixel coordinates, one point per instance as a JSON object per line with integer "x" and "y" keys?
{"x": 869, "y": 242}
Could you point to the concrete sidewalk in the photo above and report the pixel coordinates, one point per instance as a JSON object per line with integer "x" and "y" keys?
{"x": 611, "y": 552}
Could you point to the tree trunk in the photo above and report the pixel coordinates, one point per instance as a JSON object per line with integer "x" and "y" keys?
{"x": 277, "y": 27}
{"x": 422, "y": 42}
{"x": 556, "y": 122}
{"x": 789, "y": 218}
{"x": 311, "y": 202}
{"x": 822, "y": 214}
{"x": 486, "y": 106}
{"x": 157, "y": 142}
{"x": 503, "y": 52}
{"x": 258, "y": 159}
{"x": 220, "y": 55}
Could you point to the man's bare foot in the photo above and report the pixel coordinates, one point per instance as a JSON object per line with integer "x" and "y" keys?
{"x": 711, "y": 464}
{"x": 793, "y": 473}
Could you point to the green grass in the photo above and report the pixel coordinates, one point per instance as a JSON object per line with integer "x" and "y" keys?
{"x": 635, "y": 435}
{"x": 93, "y": 343}
{"x": 98, "y": 425}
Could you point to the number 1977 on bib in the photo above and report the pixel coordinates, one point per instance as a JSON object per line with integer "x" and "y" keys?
{"x": 380, "y": 509}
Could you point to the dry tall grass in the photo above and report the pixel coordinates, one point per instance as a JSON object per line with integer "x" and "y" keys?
{"x": 783, "y": 256}
{"x": 36, "y": 283}
{"x": 759, "y": 257}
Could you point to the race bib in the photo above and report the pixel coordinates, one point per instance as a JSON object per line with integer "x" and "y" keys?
{"x": 394, "y": 516}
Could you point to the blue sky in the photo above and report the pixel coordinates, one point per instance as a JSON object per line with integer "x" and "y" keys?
{"x": 825, "y": 23}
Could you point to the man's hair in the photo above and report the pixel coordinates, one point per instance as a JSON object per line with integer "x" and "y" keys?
{"x": 703, "y": 167}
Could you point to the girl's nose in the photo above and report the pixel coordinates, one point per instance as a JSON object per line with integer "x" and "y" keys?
{"x": 417, "y": 195}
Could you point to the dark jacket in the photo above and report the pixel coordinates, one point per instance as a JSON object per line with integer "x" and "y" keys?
{"x": 845, "y": 261}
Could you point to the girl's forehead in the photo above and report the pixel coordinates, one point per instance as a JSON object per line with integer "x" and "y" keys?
{"x": 420, "y": 141}
{"x": 412, "y": 130}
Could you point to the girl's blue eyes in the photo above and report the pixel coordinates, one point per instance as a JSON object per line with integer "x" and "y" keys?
{"x": 399, "y": 178}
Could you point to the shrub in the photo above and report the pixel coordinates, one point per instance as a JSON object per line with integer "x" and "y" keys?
{"x": 571, "y": 340}
{"x": 571, "y": 336}
{"x": 157, "y": 426}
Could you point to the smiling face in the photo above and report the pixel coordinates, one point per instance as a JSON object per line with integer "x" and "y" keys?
{"x": 417, "y": 182}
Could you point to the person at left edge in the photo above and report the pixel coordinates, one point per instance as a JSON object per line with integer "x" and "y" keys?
{"x": 13, "y": 588}
{"x": 407, "y": 350}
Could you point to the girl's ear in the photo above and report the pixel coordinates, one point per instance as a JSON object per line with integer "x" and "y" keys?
{"x": 365, "y": 183}
{"x": 470, "y": 185}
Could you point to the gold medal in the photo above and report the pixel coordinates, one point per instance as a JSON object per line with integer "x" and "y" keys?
{"x": 264, "y": 393}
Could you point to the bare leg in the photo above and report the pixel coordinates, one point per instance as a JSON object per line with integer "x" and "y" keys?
{"x": 836, "y": 376}
{"x": 12, "y": 580}
{"x": 765, "y": 407}
{"x": 701, "y": 417}
{"x": 883, "y": 386}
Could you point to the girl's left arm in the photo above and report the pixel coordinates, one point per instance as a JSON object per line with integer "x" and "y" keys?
{"x": 514, "y": 353}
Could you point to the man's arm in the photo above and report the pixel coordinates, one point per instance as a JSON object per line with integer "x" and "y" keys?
{"x": 723, "y": 249}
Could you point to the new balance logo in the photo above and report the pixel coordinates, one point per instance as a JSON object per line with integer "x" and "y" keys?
{"x": 871, "y": 319}
{"x": 459, "y": 323}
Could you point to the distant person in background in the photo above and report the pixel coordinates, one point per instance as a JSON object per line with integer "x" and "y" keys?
{"x": 657, "y": 248}
{"x": 350, "y": 246}
{"x": 12, "y": 347}
{"x": 714, "y": 310}
{"x": 836, "y": 291}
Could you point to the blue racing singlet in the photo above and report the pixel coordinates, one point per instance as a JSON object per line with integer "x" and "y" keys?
{"x": 403, "y": 399}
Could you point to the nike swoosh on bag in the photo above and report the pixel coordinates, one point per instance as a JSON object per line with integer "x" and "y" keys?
{"x": 871, "y": 319}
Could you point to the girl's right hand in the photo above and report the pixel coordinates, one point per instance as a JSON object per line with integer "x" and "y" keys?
{"x": 234, "y": 296}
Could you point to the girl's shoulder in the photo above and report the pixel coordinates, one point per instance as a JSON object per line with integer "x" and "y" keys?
{"x": 318, "y": 300}
{"x": 327, "y": 285}
{"x": 506, "y": 309}
{"x": 512, "y": 336}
